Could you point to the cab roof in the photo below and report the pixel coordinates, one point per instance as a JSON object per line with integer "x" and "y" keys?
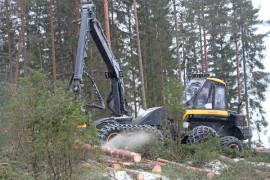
{"x": 216, "y": 80}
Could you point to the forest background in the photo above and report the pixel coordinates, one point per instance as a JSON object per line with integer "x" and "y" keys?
{"x": 263, "y": 14}
{"x": 177, "y": 39}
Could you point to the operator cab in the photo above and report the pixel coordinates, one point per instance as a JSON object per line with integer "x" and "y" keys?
{"x": 203, "y": 92}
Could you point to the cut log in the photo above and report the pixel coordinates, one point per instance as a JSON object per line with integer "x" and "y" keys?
{"x": 259, "y": 149}
{"x": 262, "y": 150}
{"x": 136, "y": 174}
{"x": 120, "y": 153}
{"x": 3, "y": 164}
{"x": 128, "y": 164}
{"x": 165, "y": 161}
{"x": 88, "y": 148}
{"x": 157, "y": 169}
{"x": 116, "y": 166}
{"x": 210, "y": 175}
{"x": 187, "y": 167}
{"x": 145, "y": 166}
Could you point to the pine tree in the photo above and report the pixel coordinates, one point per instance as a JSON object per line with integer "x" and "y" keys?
{"x": 156, "y": 40}
{"x": 177, "y": 42}
{"x": 255, "y": 79}
{"x": 139, "y": 55}
{"x": 192, "y": 39}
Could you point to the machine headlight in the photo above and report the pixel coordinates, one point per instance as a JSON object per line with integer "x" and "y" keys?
{"x": 186, "y": 125}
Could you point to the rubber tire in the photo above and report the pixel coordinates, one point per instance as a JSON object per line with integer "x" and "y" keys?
{"x": 106, "y": 132}
{"x": 200, "y": 134}
{"x": 231, "y": 142}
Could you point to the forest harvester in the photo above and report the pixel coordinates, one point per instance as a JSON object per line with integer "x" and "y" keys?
{"x": 201, "y": 117}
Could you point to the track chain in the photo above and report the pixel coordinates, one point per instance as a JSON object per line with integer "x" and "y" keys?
{"x": 200, "y": 133}
{"x": 106, "y": 130}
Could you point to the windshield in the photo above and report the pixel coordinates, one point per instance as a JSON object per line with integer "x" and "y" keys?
{"x": 192, "y": 88}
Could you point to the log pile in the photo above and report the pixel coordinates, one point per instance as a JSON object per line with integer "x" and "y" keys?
{"x": 119, "y": 159}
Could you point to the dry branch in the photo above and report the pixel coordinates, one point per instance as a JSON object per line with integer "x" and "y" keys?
{"x": 224, "y": 158}
{"x": 187, "y": 167}
{"x": 155, "y": 162}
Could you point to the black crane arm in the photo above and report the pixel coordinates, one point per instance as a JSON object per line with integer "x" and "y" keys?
{"x": 90, "y": 25}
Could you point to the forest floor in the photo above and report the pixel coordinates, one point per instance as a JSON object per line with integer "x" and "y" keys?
{"x": 222, "y": 167}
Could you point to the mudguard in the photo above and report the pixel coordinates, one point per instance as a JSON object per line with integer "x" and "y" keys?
{"x": 112, "y": 120}
{"x": 104, "y": 121}
{"x": 152, "y": 116}
{"x": 246, "y": 132}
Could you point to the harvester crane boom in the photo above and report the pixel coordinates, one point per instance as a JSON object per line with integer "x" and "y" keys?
{"x": 91, "y": 26}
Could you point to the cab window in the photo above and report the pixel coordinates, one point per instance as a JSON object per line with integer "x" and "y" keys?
{"x": 220, "y": 98}
{"x": 204, "y": 96}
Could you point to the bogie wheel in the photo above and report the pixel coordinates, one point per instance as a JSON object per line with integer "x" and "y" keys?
{"x": 200, "y": 134}
{"x": 231, "y": 142}
{"x": 108, "y": 132}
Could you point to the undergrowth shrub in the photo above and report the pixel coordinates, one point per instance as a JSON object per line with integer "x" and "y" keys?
{"x": 41, "y": 125}
{"x": 196, "y": 154}
{"x": 173, "y": 149}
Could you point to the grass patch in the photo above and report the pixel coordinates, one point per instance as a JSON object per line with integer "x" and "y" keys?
{"x": 244, "y": 170}
{"x": 196, "y": 154}
{"x": 176, "y": 172}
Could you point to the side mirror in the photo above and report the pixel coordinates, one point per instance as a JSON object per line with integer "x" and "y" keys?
{"x": 239, "y": 107}
{"x": 208, "y": 106}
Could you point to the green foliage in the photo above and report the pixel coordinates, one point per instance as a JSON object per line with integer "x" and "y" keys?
{"x": 196, "y": 154}
{"x": 41, "y": 123}
{"x": 173, "y": 92}
{"x": 243, "y": 170}
{"x": 253, "y": 156}
{"x": 177, "y": 172}
{"x": 231, "y": 153}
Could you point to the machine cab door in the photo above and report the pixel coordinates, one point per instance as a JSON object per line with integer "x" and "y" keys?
{"x": 212, "y": 96}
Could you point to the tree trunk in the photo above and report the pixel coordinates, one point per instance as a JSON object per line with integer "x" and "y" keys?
{"x": 23, "y": 8}
{"x": 205, "y": 44}
{"x": 177, "y": 42}
{"x": 140, "y": 56}
{"x": 133, "y": 64}
{"x": 52, "y": 36}
{"x": 18, "y": 59}
{"x": 78, "y": 29}
{"x": 236, "y": 55}
{"x": 9, "y": 43}
{"x": 19, "y": 45}
{"x": 245, "y": 81}
{"x": 201, "y": 46}
{"x": 78, "y": 14}
{"x": 107, "y": 22}
{"x": 10, "y": 57}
